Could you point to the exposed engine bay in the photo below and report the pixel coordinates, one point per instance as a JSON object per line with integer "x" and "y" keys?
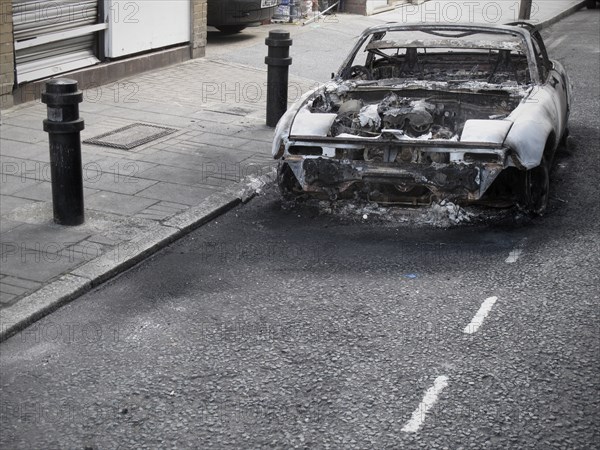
{"x": 409, "y": 173}
{"x": 419, "y": 114}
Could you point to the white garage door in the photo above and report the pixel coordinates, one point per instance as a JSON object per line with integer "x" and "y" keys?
{"x": 53, "y": 37}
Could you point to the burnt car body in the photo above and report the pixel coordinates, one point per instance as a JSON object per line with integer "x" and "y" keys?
{"x": 426, "y": 112}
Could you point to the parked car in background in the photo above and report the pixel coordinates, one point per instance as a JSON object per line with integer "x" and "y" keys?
{"x": 431, "y": 112}
{"x": 232, "y": 16}
{"x": 592, "y": 4}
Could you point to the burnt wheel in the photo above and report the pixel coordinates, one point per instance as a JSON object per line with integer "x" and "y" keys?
{"x": 536, "y": 189}
{"x": 288, "y": 184}
{"x": 567, "y": 144}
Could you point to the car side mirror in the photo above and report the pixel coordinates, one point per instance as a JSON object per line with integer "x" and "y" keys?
{"x": 332, "y": 75}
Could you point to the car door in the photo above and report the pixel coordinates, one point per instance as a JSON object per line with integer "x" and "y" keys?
{"x": 554, "y": 78}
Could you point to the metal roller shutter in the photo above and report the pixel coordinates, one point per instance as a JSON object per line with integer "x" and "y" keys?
{"x": 54, "y": 37}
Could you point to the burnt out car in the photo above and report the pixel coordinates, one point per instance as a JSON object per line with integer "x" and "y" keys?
{"x": 430, "y": 112}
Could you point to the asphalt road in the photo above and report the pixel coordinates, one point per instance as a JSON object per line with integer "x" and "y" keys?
{"x": 289, "y": 327}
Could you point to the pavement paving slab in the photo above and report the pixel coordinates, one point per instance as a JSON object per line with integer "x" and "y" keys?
{"x": 12, "y": 184}
{"x": 142, "y": 199}
{"x": 42, "y": 191}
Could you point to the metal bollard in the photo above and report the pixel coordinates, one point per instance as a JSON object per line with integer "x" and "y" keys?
{"x": 63, "y": 126}
{"x": 278, "y": 62}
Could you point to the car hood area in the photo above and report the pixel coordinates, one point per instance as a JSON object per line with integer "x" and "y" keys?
{"x": 472, "y": 112}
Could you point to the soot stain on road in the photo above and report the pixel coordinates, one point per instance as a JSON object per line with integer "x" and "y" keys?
{"x": 303, "y": 239}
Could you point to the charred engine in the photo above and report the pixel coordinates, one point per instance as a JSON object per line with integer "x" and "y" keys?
{"x": 417, "y": 118}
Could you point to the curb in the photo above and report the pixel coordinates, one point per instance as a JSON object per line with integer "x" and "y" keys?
{"x": 95, "y": 272}
{"x": 567, "y": 12}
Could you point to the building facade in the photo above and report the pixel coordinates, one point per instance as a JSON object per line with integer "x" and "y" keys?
{"x": 98, "y": 40}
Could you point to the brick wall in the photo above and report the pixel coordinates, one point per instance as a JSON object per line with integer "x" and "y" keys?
{"x": 7, "y": 58}
{"x": 198, "y": 29}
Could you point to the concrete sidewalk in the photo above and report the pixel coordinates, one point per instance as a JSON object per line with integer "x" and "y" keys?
{"x": 139, "y": 200}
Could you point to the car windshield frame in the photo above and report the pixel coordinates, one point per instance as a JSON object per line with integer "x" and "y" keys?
{"x": 450, "y": 37}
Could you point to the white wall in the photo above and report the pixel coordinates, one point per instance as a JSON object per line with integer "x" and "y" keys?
{"x": 140, "y": 25}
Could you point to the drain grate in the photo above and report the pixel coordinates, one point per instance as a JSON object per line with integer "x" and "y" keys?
{"x": 130, "y": 136}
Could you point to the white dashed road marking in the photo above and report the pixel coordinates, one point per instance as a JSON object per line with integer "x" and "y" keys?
{"x": 484, "y": 310}
{"x": 429, "y": 399}
{"x": 515, "y": 253}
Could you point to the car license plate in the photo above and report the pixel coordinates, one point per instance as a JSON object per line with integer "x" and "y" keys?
{"x": 268, "y": 3}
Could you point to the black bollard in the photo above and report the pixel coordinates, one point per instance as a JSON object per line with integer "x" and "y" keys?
{"x": 278, "y": 62}
{"x": 63, "y": 127}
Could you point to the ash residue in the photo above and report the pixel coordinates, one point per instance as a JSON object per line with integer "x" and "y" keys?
{"x": 438, "y": 215}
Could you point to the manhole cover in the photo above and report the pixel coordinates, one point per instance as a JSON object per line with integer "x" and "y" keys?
{"x": 130, "y": 136}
